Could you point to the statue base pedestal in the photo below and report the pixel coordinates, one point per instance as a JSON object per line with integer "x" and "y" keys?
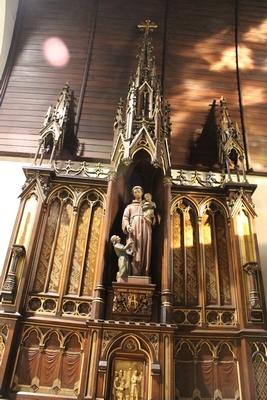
{"x": 136, "y": 280}
{"x": 132, "y": 299}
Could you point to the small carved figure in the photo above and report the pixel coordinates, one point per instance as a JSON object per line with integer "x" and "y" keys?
{"x": 135, "y": 386}
{"x": 148, "y": 207}
{"x": 116, "y": 385}
{"x": 119, "y": 385}
{"x": 122, "y": 253}
{"x": 127, "y": 385}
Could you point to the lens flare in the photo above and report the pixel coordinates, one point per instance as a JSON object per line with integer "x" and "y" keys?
{"x": 56, "y": 52}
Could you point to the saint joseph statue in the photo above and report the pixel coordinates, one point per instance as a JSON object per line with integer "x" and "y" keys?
{"x": 139, "y": 233}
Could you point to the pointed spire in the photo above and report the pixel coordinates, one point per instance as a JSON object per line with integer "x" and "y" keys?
{"x": 52, "y": 134}
{"x": 231, "y": 149}
{"x": 146, "y": 122}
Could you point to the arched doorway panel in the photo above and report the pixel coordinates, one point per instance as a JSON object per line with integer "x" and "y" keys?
{"x": 128, "y": 369}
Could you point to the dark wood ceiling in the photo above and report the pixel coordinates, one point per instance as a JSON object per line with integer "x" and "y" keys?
{"x": 195, "y": 47}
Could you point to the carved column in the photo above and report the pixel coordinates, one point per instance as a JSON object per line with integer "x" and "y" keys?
{"x": 166, "y": 294}
{"x": 251, "y": 269}
{"x": 9, "y": 289}
{"x": 98, "y": 300}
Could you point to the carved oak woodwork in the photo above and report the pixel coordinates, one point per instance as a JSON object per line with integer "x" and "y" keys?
{"x": 133, "y": 301}
{"x": 196, "y": 330}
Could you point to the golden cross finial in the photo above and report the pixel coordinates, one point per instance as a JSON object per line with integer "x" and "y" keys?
{"x": 147, "y": 26}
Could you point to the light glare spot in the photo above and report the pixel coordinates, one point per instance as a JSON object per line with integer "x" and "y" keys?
{"x": 253, "y": 95}
{"x": 56, "y": 52}
{"x": 228, "y": 59}
{"x": 258, "y": 34}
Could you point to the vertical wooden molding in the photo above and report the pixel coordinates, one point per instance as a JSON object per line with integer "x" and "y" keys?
{"x": 98, "y": 300}
{"x": 203, "y": 287}
{"x": 239, "y": 89}
{"x": 92, "y": 366}
{"x": 166, "y": 285}
{"x": 87, "y": 65}
{"x": 167, "y": 368}
{"x": 164, "y": 46}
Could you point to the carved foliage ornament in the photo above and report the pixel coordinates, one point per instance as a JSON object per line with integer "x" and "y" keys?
{"x": 154, "y": 340}
{"x": 83, "y": 169}
{"x": 138, "y": 303}
{"x": 43, "y": 181}
{"x": 108, "y": 335}
{"x": 240, "y": 198}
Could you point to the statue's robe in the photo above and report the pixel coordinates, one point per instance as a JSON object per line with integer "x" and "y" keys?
{"x": 141, "y": 236}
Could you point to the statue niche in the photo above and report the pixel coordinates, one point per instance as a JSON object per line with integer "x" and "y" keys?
{"x": 138, "y": 219}
{"x": 133, "y": 291}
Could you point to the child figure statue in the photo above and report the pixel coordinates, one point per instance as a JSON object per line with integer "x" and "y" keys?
{"x": 148, "y": 207}
{"x": 122, "y": 252}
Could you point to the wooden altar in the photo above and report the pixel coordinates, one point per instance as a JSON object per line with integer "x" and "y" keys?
{"x": 197, "y": 330}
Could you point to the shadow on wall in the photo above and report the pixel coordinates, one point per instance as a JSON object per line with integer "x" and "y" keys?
{"x": 204, "y": 147}
{"x": 201, "y": 65}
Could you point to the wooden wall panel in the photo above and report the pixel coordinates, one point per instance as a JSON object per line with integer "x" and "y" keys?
{"x": 197, "y": 38}
{"x": 113, "y": 60}
{"x": 253, "y": 74}
{"x": 199, "y": 65}
{"x": 34, "y": 84}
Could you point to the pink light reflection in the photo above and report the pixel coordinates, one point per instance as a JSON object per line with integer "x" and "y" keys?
{"x": 56, "y": 52}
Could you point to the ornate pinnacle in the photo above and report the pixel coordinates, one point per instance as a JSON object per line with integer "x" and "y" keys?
{"x": 146, "y": 120}
{"x": 147, "y": 26}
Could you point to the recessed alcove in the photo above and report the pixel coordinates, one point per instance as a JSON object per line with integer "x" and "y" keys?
{"x": 140, "y": 172}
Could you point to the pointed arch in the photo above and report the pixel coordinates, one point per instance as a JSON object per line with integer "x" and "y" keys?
{"x": 245, "y": 236}
{"x": 129, "y": 356}
{"x": 185, "y": 350}
{"x": 128, "y": 343}
{"x": 27, "y": 220}
{"x": 57, "y": 191}
{"x": 56, "y": 233}
{"x": 227, "y": 370}
{"x": 84, "y": 255}
{"x": 72, "y": 361}
{"x": 225, "y": 351}
{"x": 52, "y": 337}
{"x": 184, "y": 219}
{"x": 204, "y": 205}
{"x": 32, "y": 336}
{"x": 92, "y": 195}
{"x": 205, "y": 350}
{"x": 69, "y": 341}
{"x": 214, "y": 230}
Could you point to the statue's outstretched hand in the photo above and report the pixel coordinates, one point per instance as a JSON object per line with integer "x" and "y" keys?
{"x": 129, "y": 229}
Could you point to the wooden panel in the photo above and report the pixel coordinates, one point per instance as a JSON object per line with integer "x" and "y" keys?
{"x": 194, "y": 73}
{"x": 252, "y": 38}
{"x": 113, "y": 60}
{"x": 34, "y": 84}
{"x": 199, "y": 65}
